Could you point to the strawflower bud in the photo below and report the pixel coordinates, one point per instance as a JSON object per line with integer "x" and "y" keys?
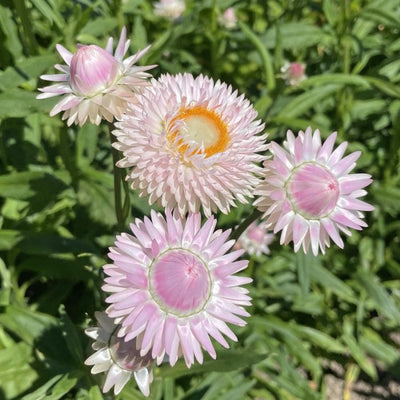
{"x": 95, "y": 83}
{"x": 294, "y": 73}
{"x": 228, "y": 19}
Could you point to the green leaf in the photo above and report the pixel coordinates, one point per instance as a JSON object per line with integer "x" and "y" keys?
{"x": 96, "y": 192}
{"x": 293, "y": 342}
{"x": 11, "y": 100}
{"x": 384, "y": 86}
{"x": 71, "y": 336}
{"x": 6, "y": 284}
{"x": 26, "y": 324}
{"x": 373, "y": 343}
{"x": 362, "y": 360}
{"x": 41, "y": 393}
{"x": 295, "y": 35}
{"x": 299, "y": 105}
{"x": 139, "y": 34}
{"x": 16, "y": 375}
{"x": 37, "y": 186}
{"x": 39, "y": 330}
{"x": 238, "y": 392}
{"x": 97, "y": 26}
{"x": 321, "y": 275}
{"x": 62, "y": 267}
{"x": 388, "y": 197}
{"x": 378, "y": 294}
{"x": 25, "y": 69}
{"x": 62, "y": 387}
{"x": 95, "y": 393}
{"x": 9, "y": 239}
{"x": 319, "y": 338}
{"x": 229, "y": 360}
{"x": 50, "y": 13}
{"x": 303, "y": 271}
{"x": 39, "y": 243}
{"x": 341, "y": 79}
{"x": 9, "y": 28}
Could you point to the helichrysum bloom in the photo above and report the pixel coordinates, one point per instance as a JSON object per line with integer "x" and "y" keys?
{"x": 294, "y": 73}
{"x": 119, "y": 358}
{"x": 191, "y": 142}
{"x": 308, "y": 192}
{"x": 228, "y": 19}
{"x": 256, "y": 239}
{"x": 171, "y": 9}
{"x": 96, "y": 84}
{"x": 174, "y": 286}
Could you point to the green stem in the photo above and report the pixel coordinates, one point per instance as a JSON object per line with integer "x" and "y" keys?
{"x": 264, "y": 54}
{"x": 214, "y": 38}
{"x": 25, "y": 18}
{"x": 121, "y": 210}
{"x": 243, "y": 225}
{"x": 67, "y": 154}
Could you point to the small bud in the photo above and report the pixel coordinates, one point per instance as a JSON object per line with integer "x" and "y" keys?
{"x": 294, "y": 73}
{"x": 228, "y": 19}
{"x": 170, "y": 9}
{"x": 93, "y": 69}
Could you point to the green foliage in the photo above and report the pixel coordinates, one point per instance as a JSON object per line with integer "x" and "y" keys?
{"x": 57, "y": 206}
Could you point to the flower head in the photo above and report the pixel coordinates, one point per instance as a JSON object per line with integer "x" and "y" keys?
{"x": 294, "y": 73}
{"x": 228, "y": 19}
{"x": 191, "y": 143}
{"x": 171, "y": 9}
{"x": 255, "y": 239}
{"x": 119, "y": 358}
{"x": 308, "y": 192}
{"x": 95, "y": 83}
{"x": 173, "y": 286}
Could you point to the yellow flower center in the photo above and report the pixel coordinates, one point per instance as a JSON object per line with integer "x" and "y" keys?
{"x": 198, "y": 127}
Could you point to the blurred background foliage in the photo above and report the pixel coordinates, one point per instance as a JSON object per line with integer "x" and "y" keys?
{"x": 312, "y": 316}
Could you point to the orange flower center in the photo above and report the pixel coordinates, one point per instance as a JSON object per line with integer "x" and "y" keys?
{"x": 198, "y": 127}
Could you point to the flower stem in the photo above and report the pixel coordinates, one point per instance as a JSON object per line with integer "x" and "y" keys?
{"x": 244, "y": 224}
{"x": 122, "y": 210}
{"x": 26, "y": 24}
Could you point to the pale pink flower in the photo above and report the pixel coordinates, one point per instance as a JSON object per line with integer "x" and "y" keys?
{"x": 255, "y": 239}
{"x": 171, "y": 9}
{"x": 174, "y": 286}
{"x": 228, "y": 19}
{"x": 95, "y": 83}
{"x": 308, "y": 192}
{"x": 119, "y": 358}
{"x": 192, "y": 143}
{"x": 294, "y": 73}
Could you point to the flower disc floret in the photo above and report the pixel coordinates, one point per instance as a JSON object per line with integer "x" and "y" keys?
{"x": 173, "y": 286}
{"x": 191, "y": 143}
{"x": 308, "y": 192}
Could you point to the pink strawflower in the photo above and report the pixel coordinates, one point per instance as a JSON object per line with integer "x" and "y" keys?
{"x": 119, "y": 358}
{"x": 95, "y": 83}
{"x": 170, "y": 9}
{"x": 174, "y": 286}
{"x": 308, "y": 192}
{"x": 255, "y": 239}
{"x": 192, "y": 143}
{"x": 294, "y": 73}
{"x": 228, "y": 19}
